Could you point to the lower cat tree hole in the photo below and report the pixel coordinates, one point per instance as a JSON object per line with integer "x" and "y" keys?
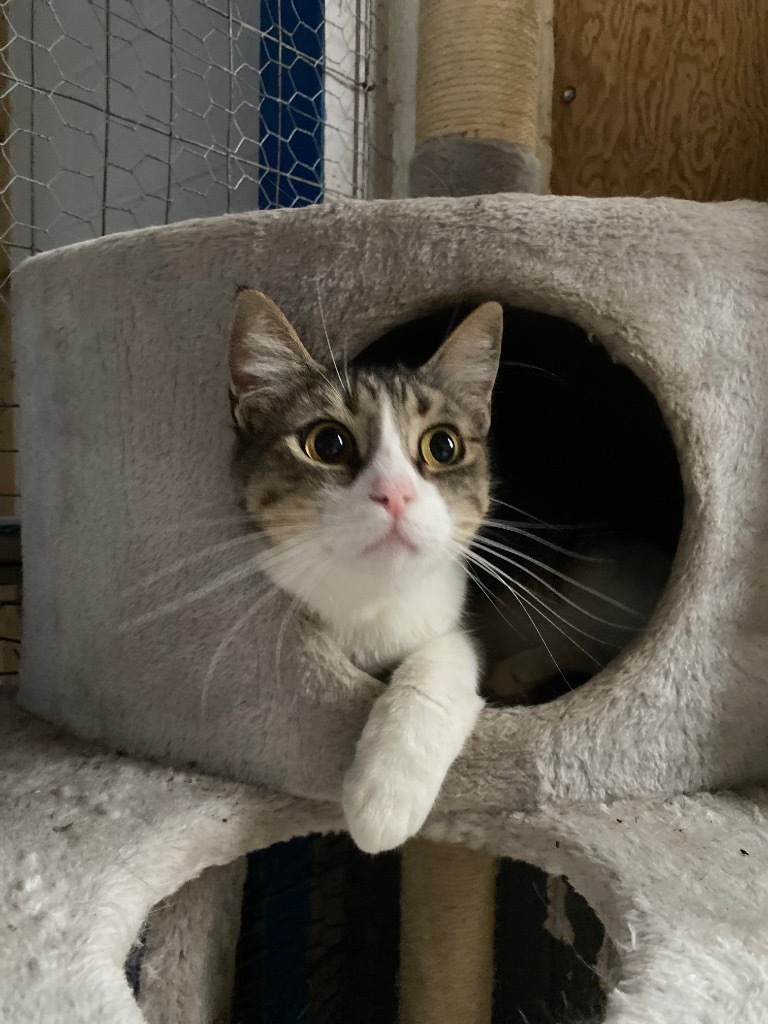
{"x": 310, "y": 930}
{"x": 578, "y": 443}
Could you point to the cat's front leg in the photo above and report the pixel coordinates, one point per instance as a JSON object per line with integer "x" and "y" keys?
{"x": 415, "y": 731}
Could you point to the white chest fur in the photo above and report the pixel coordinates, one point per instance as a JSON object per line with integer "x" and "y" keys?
{"x": 377, "y": 634}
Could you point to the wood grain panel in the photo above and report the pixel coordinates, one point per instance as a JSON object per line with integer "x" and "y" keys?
{"x": 671, "y": 98}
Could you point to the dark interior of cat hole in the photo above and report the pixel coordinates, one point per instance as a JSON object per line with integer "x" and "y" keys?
{"x": 577, "y": 442}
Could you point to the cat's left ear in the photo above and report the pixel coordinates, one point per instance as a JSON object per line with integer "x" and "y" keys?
{"x": 467, "y": 362}
{"x": 266, "y": 356}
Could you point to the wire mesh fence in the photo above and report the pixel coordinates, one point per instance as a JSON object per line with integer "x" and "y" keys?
{"x": 125, "y": 113}
{"x": 121, "y": 114}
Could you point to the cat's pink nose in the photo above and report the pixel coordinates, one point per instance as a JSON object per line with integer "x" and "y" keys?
{"x": 393, "y": 495}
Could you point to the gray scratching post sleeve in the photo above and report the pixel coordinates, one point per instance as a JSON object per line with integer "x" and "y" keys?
{"x": 458, "y": 166}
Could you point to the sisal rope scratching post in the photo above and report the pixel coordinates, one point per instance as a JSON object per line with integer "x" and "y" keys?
{"x": 477, "y": 102}
{"x": 447, "y": 924}
{"x": 447, "y": 919}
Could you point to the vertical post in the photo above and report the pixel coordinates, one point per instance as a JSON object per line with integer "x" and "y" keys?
{"x": 447, "y": 927}
{"x": 477, "y": 97}
{"x": 479, "y": 102}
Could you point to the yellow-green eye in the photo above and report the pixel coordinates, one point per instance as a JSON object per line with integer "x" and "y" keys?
{"x": 440, "y": 447}
{"x": 329, "y": 443}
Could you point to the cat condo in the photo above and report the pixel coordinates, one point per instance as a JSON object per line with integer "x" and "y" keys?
{"x": 172, "y": 753}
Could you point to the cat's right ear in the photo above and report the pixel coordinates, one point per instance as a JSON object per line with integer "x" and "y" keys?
{"x": 265, "y": 355}
{"x": 468, "y": 360}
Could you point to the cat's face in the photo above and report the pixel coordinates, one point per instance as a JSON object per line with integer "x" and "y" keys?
{"x": 366, "y": 479}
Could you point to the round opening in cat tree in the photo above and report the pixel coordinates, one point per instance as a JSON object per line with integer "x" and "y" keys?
{"x": 588, "y": 501}
{"x": 314, "y": 929}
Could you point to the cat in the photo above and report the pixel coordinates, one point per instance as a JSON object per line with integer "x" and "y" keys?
{"x": 370, "y": 488}
{"x": 373, "y": 488}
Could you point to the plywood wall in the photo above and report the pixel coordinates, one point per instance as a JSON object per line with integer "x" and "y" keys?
{"x": 671, "y": 98}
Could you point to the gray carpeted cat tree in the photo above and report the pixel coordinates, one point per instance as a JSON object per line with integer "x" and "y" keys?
{"x": 144, "y": 633}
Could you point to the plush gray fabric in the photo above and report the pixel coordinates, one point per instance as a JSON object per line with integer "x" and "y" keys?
{"x": 91, "y": 842}
{"x": 188, "y": 970}
{"x": 124, "y": 438}
{"x": 457, "y": 166}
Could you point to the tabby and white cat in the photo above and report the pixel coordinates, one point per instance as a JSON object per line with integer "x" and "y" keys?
{"x": 370, "y": 487}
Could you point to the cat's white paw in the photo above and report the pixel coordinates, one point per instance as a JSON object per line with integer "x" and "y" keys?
{"x": 383, "y": 810}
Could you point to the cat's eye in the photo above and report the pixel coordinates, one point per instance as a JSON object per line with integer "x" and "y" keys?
{"x": 329, "y": 443}
{"x": 440, "y": 447}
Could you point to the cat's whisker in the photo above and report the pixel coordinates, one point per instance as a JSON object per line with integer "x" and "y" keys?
{"x": 328, "y": 340}
{"x": 291, "y": 516}
{"x": 491, "y": 572}
{"x": 184, "y": 562}
{"x": 251, "y": 568}
{"x": 210, "y": 503}
{"x": 512, "y": 587}
{"x": 542, "y": 525}
{"x": 602, "y": 641}
{"x": 540, "y": 370}
{"x": 213, "y": 505}
{"x": 540, "y": 635}
{"x": 496, "y": 547}
{"x": 521, "y": 511}
{"x": 472, "y": 523}
{"x": 587, "y": 654}
{"x": 280, "y": 637}
{"x": 522, "y": 532}
{"x": 540, "y": 600}
{"x": 487, "y": 592}
{"x": 560, "y": 672}
{"x": 529, "y": 597}
{"x": 534, "y": 523}
{"x": 345, "y": 367}
{"x": 228, "y": 637}
{"x": 319, "y": 572}
{"x": 287, "y": 529}
{"x": 555, "y": 590}
{"x": 196, "y": 524}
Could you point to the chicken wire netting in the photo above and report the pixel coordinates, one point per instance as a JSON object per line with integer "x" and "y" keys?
{"x": 125, "y": 113}
{"x": 121, "y": 114}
